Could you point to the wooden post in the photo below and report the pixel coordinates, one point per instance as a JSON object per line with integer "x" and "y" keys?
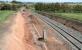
{"x": 45, "y": 34}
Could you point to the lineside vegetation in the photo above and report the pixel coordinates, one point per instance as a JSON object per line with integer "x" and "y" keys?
{"x": 64, "y": 10}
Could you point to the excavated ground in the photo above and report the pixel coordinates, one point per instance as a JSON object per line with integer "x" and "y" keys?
{"x": 26, "y": 33}
{"x": 19, "y": 36}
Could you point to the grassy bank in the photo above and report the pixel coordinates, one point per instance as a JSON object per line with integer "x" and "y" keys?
{"x": 69, "y": 16}
{"x": 5, "y": 14}
{"x": 72, "y": 16}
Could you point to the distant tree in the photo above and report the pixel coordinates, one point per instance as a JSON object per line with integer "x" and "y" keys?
{"x": 58, "y": 7}
{"x": 78, "y": 8}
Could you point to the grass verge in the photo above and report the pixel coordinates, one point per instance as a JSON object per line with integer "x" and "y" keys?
{"x": 71, "y": 16}
{"x": 4, "y": 14}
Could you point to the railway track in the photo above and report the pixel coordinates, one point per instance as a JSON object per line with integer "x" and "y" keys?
{"x": 74, "y": 38}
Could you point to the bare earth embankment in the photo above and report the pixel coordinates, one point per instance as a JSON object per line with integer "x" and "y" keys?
{"x": 26, "y": 31}
{"x": 15, "y": 38}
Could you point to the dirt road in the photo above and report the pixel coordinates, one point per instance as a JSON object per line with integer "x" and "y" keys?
{"x": 19, "y": 36}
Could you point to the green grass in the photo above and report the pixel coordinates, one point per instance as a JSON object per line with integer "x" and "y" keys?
{"x": 72, "y": 16}
{"x": 4, "y": 15}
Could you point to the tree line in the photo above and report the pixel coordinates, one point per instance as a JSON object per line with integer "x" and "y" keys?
{"x": 58, "y": 7}
{"x": 11, "y": 6}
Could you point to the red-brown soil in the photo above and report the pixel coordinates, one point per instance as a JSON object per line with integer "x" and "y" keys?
{"x": 19, "y": 36}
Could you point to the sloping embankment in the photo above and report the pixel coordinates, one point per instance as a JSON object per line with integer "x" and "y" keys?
{"x": 69, "y": 23}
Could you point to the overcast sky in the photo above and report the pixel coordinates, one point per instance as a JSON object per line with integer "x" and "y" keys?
{"x": 46, "y": 0}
